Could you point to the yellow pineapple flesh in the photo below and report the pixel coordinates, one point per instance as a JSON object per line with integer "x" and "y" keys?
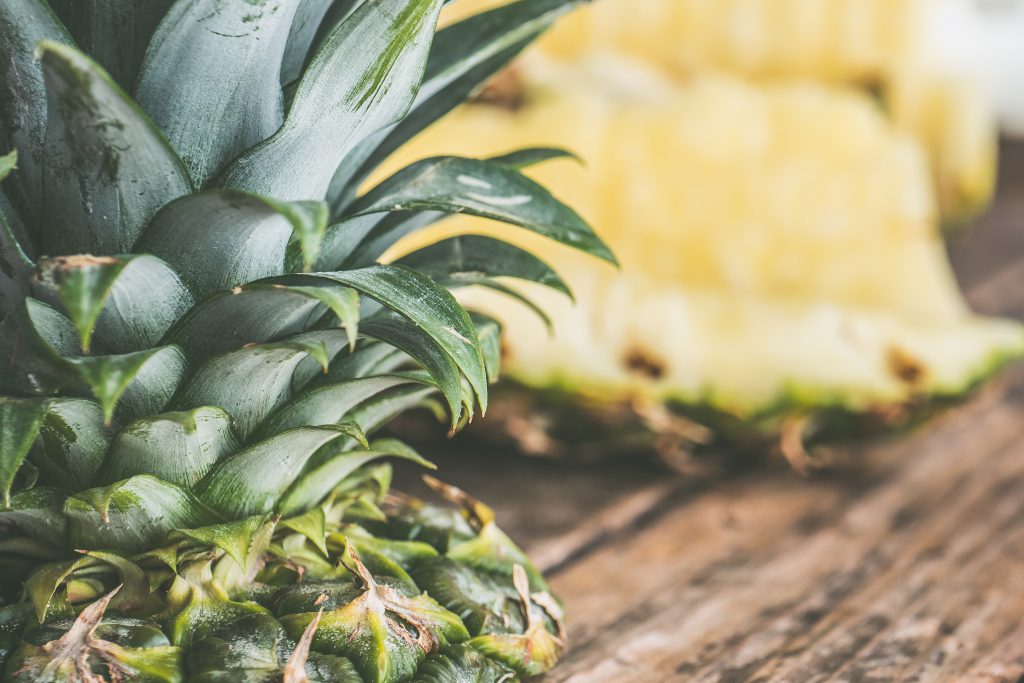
{"x": 779, "y": 245}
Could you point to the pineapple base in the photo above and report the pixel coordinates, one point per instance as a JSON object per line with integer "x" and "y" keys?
{"x": 419, "y": 593}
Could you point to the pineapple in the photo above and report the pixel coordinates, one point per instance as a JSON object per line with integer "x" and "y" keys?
{"x": 883, "y": 47}
{"x": 782, "y": 269}
{"x": 198, "y": 350}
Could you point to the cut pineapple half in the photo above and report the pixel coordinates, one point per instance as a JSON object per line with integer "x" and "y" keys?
{"x": 882, "y": 47}
{"x": 779, "y": 246}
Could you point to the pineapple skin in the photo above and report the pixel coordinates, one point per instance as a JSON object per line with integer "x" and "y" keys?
{"x": 780, "y": 254}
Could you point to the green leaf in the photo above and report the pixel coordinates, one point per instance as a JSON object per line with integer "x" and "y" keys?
{"x": 115, "y": 32}
{"x": 304, "y": 28}
{"x": 313, "y": 525}
{"x": 220, "y": 239}
{"x": 179, "y": 448}
{"x": 110, "y": 376}
{"x": 404, "y": 335}
{"x": 72, "y": 443}
{"x": 256, "y": 314}
{"x": 8, "y": 163}
{"x": 250, "y": 482}
{"x": 463, "y": 57}
{"x": 132, "y": 515}
{"x": 153, "y": 385}
{"x": 328, "y": 405}
{"x": 107, "y": 168}
{"x": 376, "y": 412}
{"x": 424, "y": 303}
{"x": 16, "y": 267}
{"x": 20, "y": 421}
{"x": 82, "y": 283}
{"x": 470, "y": 257}
{"x": 23, "y": 111}
{"x": 368, "y": 358}
{"x": 234, "y": 538}
{"x": 252, "y": 382}
{"x": 363, "y": 78}
{"x": 38, "y": 513}
{"x": 530, "y": 156}
{"x": 327, "y": 473}
{"x": 210, "y": 115}
{"x": 360, "y": 241}
{"x": 489, "y": 331}
{"x": 479, "y": 187}
{"x": 32, "y": 340}
{"x": 128, "y": 301}
{"x": 385, "y": 632}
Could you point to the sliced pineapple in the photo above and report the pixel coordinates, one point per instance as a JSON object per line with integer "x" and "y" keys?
{"x": 882, "y": 47}
{"x": 779, "y": 246}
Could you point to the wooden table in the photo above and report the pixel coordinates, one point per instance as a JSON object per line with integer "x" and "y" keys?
{"x": 908, "y": 566}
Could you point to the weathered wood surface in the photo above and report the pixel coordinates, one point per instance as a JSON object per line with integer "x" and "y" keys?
{"x": 907, "y": 566}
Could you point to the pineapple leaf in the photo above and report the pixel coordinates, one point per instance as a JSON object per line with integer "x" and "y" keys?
{"x": 399, "y": 332}
{"x": 361, "y": 241}
{"x": 220, "y": 239}
{"x": 480, "y": 187}
{"x": 423, "y": 302}
{"x": 364, "y": 77}
{"x": 110, "y": 376}
{"x": 23, "y": 110}
{"x": 530, "y": 156}
{"x": 82, "y": 284}
{"x": 115, "y": 32}
{"x": 252, "y": 382}
{"x": 32, "y": 340}
{"x": 330, "y": 404}
{"x": 179, "y": 448}
{"x": 308, "y": 19}
{"x": 463, "y": 57}
{"x": 8, "y": 163}
{"x": 107, "y": 168}
{"x": 212, "y": 115}
{"x": 250, "y": 482}
{"x": 146, "y": 298}
{"x": 380, "y": 409}
{"x": 153, "y": 386}
{"x": 20, "y": 422}
{"x": 16, "y": 267}
{"x": 132, "y": 515}
{"x": 129, "y": 302}
{"x": 489, "y": 331}
{"x": 234, "y": 538}
{"x": 72, "y": 443}
{"x": 313, "y": 525}
{"x": 327, "y": 472}
{"x": 38, "y": 513}
{"x": 468, "y": 258}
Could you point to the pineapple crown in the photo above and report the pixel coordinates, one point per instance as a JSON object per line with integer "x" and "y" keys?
{"x": 195, "y": 331}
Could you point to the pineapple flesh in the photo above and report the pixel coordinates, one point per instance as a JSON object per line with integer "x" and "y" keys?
{"x": 883, "y": 47}
{"x": 199, "y": 345}
{"x": 779, "y": 246}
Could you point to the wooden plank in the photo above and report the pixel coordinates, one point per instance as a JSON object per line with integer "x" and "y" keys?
{"x": 773, "y": 579}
